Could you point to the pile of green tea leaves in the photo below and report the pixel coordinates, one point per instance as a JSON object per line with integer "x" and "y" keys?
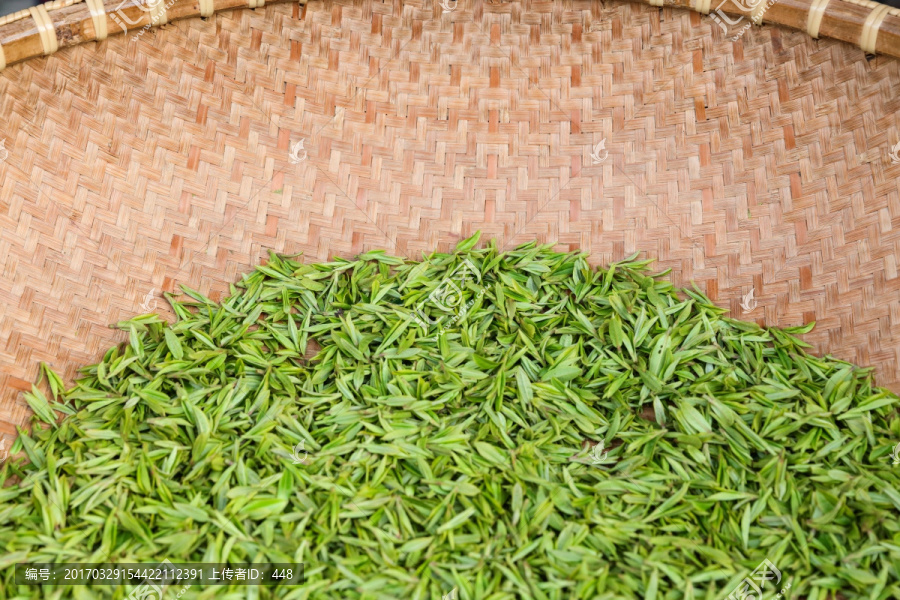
{"x": 508, "y": 425}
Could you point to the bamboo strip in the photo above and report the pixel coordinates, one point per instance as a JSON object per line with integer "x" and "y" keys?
{"x": 71, "y": 22}
{"x": 25, "y": 12}
{"x": 869, "y": 25}
{"x": 814, "y": 20}
{"x": 45, "y": 29}
{"x": 98, "y": 18}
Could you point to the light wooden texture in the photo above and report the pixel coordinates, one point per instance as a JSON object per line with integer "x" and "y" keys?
{"x": 134, "y": 166}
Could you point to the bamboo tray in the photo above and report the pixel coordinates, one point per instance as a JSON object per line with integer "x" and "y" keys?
{"x": 183, "y": 153}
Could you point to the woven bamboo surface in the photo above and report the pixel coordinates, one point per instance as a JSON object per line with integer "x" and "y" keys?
{"x": 133, "y": 166}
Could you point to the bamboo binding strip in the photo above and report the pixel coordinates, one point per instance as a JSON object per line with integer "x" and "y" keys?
{"x": 873, "y": 27}
{"x": 158, "y": 14}
{"x": 873, "y": 23}
{"x": 25, "y": 12}
{"x": 98, "y": 18}
{"x": 814, "y": 19}
{"x": 46, "y": 30}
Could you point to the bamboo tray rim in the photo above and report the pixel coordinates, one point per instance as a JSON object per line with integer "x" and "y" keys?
{"x": 81, "y": 21}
